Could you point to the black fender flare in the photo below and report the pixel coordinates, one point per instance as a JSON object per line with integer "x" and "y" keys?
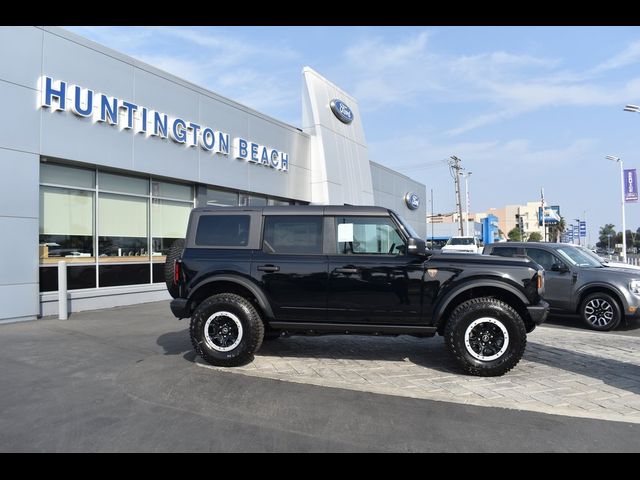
{"x": 603, "y": 286}
{"x": 243, "y": 282}
{"x": 449, "y": 297}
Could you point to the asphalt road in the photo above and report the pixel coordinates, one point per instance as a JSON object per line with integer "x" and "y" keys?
{"x": 124, "y": 380}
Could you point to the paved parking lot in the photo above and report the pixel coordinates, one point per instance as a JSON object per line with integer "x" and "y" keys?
{"x": 565, "y": 372}
{"x": 127, "y": 379}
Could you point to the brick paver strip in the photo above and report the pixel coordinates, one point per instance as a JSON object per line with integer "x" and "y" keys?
{"x": 586, "y": 374}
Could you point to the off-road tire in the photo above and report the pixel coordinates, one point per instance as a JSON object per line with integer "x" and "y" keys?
{"x": 497, "y": 317}
{"x": 175, "y": 253}
{"x": 252, "y": 331}
{"x": 596, "y": 305}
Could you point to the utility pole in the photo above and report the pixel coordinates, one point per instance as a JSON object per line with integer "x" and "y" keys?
{"x": 454, "y": 167}
{"x": 432, "y": 218}
{"x": 588, "y": 239}
{"x": 544, "y": 230}
{"x": 520, "y": 225}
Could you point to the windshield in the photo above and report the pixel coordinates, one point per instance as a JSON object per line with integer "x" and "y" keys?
{"x": 591, "y": 254}
{"x": 460, "y": 241}
{"x": 577, "y": 257}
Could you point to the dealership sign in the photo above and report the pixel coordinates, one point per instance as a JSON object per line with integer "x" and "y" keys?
{"x": 341, "y": 111}
{"x": 551, "y": 215}
{"x": 630, "y": 185}
{"x": 412, "y": 200}
{"x": 84, "y": 102}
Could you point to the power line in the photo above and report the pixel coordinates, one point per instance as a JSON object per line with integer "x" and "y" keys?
{"x": 421, "y": 166}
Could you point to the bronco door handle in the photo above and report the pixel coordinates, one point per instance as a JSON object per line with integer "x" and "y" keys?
{"x": 346, "y": 270}
{"x": 268, "y": 268}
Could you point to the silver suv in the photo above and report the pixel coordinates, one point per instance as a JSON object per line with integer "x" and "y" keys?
{"x": 578, "y": 283}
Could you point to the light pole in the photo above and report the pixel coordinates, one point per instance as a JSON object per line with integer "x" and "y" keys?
{"x": 466, "y": 192}
{"x": 624, "y": 225}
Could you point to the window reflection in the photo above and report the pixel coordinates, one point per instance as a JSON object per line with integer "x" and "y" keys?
{"x": 66, "y": 225}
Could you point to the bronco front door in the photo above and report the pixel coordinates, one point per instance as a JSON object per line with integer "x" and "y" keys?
{"x": 371, "y": 277}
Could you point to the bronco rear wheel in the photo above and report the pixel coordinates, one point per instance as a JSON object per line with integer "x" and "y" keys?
{"x": 486, "y": 336}
{"x": 226, "y": 330}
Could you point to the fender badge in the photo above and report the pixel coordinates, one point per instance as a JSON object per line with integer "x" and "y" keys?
{"x": 432, "y": 272}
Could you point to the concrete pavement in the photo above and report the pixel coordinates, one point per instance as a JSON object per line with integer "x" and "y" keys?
{"x": 126, "y": 379}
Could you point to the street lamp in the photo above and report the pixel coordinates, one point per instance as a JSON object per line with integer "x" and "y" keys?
{"x": 624, "y": 225}
{"x": 466, "y": 192}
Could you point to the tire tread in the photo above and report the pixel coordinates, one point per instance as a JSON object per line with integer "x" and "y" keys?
{"x": 255, "y": 332}
{"x": 459, "y": 354}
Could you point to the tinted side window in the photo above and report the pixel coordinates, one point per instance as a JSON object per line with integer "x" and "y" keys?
{"x": 223, "y": 230}
{"x": 368, "y": 235}
{"x": 292, "y": 234}
{"x": 542, "y": 257}
{"x": 505, "y": 251}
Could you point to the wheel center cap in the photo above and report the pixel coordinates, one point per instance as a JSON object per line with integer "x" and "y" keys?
{"x": 485, "y": 338}
{"x": 225, "y": 330}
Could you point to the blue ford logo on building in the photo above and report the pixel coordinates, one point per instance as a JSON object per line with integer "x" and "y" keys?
{"x": 340, "y": 110}
{"x": 412, "y": 200}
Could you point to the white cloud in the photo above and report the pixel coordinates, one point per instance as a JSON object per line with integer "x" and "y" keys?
{"x": 501, "y": 85}
{"x": 248, "y": 72}
{"x": 628, "y": 56}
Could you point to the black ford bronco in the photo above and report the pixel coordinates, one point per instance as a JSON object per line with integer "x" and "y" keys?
{"x": 246, "y": 274}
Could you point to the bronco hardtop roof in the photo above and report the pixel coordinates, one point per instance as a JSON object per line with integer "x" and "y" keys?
{"x": 300, "y": 210}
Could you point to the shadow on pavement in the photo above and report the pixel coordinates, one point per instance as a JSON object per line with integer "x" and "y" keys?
{"x": 175, "y": 343}
{"x": 625, "y": 376}
{"x": 426, "y": 352}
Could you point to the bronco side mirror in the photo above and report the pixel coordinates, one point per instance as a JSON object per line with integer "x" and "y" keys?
{"x": 417, "y": 246}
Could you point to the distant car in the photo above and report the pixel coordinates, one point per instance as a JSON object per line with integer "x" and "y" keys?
{"x": 461, "y": 245}
{"x": 579, "y": 283}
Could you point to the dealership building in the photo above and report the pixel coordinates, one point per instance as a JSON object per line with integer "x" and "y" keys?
{"x": 103, "y": 157}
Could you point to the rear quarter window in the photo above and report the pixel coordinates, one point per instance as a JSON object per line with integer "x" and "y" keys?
{"x": 223, "y": 231}
{"x": 293, "y": 234}
{"x": 508, "y": 251}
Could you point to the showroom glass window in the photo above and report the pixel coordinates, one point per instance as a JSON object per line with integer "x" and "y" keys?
{"x": 67, "y": 196}
{"x": 171, "y": 204}
{"x": 368, "y": 236}
{"x": 122, "y": 225}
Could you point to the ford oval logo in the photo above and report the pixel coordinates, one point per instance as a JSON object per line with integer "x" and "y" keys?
{"x": 340, "y": 110}
{"x": 412, "y": 200}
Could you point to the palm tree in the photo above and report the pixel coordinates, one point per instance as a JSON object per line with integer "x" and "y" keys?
{"x": 555, "y": 231}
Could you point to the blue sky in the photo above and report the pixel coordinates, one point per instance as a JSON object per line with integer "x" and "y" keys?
{"x": 523, "y": 107}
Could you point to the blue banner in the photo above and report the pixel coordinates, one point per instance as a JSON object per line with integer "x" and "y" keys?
{"x": 630, "y": 185}
{"x": 570, "y": 234}
{"x": 583, "y": 229}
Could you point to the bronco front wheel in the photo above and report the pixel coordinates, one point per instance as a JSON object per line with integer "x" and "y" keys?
{"x": 486, "y": 336}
